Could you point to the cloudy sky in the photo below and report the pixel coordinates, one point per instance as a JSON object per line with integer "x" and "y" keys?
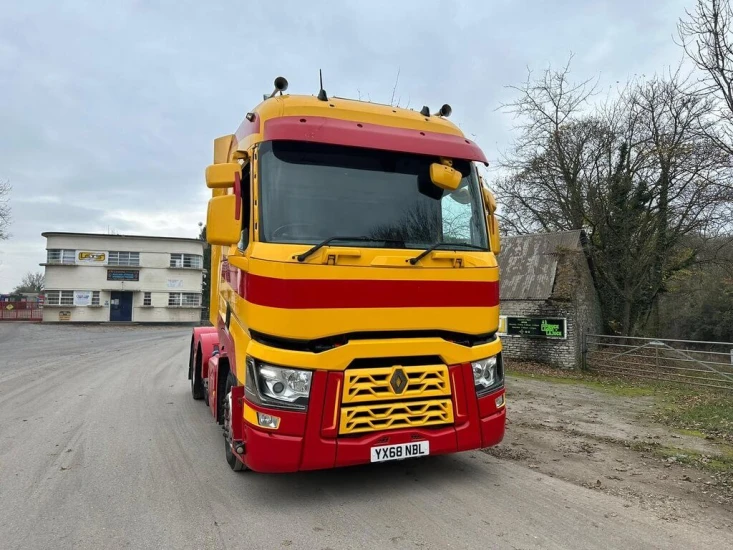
{"x": 108, "y": 110}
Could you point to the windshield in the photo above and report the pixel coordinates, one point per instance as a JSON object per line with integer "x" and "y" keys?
{"x": 312, "y": 191}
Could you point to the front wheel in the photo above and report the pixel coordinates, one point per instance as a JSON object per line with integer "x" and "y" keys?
{"x": 234, "y": 462}
{"x": 197, "y": 384}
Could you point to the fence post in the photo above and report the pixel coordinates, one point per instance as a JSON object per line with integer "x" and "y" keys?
{"x": 584, "y": 350}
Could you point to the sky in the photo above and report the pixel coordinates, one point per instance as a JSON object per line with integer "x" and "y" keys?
{"x": 108, "y": 110}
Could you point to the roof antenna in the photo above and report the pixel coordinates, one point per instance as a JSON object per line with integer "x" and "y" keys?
{"x": 322, "y": 93}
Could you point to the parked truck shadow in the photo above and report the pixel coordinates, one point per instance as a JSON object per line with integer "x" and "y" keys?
{"x": 371, "y": 482}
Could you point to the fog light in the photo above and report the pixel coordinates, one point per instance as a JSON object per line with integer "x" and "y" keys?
{"x": 267, "y": 420}
{"x": 499, "y": 402}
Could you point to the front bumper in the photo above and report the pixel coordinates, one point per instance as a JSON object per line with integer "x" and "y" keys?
{"x": 309, "y": 440}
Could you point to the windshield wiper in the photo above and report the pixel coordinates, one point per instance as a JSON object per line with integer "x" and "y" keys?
{"x": 442, "y": 244}
{"x": 302, "y": 257}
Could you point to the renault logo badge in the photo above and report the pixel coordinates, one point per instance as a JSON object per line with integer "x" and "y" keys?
{"x": 398, "y": 381}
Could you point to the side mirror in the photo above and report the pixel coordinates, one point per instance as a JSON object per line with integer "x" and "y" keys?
{"x": 221, "y": 176}
{"x": 444, "y": 176}
{"x": 491, "y": 221}
{"x": 222, "y": 224}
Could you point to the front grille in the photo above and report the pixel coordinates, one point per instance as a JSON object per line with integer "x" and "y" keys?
{"x": 373, "y": 384}
{"x": 392, "y": 416}
{"x": 394, "y": 397}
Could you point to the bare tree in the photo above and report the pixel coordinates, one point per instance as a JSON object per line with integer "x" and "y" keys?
{"x": 706, "y": 34}
{"x": 681, "y": 176}
{"x": 639, "y": 172}
{"x": 4, "y": 209}
{"x": 546, "y": 189}
{"x": 30, "y": 283}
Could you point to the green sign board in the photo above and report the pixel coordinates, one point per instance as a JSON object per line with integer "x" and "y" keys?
{"x": 536, "y": 327}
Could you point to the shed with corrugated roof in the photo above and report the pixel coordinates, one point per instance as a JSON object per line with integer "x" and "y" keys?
{"x": 548, "y": 298}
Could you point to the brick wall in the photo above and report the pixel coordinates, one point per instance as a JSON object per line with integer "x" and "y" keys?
{"x": 559, "y": 353}
{"x": 586, "y": 304}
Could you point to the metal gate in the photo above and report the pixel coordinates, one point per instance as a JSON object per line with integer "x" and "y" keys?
{"x": 21, "y": 311}
{"x": 708, "y": 364}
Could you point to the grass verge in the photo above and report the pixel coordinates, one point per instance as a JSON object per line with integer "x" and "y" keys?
{"x": 695, "y": 411}
{"x": 722, "y": 462}
{"x": 615, "y": 386}
{"x": 708, "y": 414}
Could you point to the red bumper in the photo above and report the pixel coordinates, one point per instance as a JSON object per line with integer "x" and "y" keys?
{"x": 308, "y": 440}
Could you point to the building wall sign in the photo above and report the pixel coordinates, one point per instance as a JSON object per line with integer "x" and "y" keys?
{"x": 82, "y": 297}
{"x": 64, "y": 315}
{"x": 123, "y": 274}
{"x": 174, "y": 283}
{"x": 534, "y": 327}
{"x": 91, "y": 257}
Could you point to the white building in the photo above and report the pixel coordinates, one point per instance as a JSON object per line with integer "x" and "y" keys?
{"x": 122, "y": 278}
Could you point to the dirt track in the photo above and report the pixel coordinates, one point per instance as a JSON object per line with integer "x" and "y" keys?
{"x": 607, "y": 443}
{"x": 101, "y": 446}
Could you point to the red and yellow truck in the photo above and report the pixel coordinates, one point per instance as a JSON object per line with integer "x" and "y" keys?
{"x": 354, "y": 288}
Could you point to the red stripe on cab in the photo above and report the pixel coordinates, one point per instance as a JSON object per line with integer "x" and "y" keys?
{"x": 350, "y": 294}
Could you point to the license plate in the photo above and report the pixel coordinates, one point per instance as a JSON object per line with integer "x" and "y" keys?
{"x": 401, "y": 451}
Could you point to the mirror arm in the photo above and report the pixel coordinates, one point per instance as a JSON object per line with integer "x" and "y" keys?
{"x": 238, "y": 195}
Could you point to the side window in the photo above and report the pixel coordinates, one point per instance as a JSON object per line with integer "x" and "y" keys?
{"x": 246, "y": 206}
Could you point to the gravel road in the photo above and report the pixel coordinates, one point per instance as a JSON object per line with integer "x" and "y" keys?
{"x": 101, "y": 446}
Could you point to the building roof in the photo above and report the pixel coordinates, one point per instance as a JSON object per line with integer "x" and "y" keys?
{"x": 528, "y": 263}
{"x": 106, "y": 236}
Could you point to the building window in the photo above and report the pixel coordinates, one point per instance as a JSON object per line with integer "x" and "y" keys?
{"x": 124, "y": 258}
{"x": 59, "y": 297}
{"x": 190, "y": 299}
{"x": 95, "y": 297}
{"x": 60, "y": 256}
{"x": 187, "y": 260}
{"x": 184, "y": 299}
{"x": 147, "y": 299}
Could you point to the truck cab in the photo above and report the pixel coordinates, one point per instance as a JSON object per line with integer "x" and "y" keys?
{"x": 354, "y": 288}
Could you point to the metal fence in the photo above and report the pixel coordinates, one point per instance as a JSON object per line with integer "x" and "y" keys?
{"x": 20, "y": 311}
{"x": 707, "y": 364}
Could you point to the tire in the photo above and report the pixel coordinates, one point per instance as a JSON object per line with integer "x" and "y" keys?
{"x": 197, "y": 385}
{"x": 234, "y": 463}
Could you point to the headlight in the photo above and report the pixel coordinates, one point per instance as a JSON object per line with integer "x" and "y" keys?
{"x": 487, "y": 374}
{"x": 278, "y": 387}
{"x": 284, "y": 384}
